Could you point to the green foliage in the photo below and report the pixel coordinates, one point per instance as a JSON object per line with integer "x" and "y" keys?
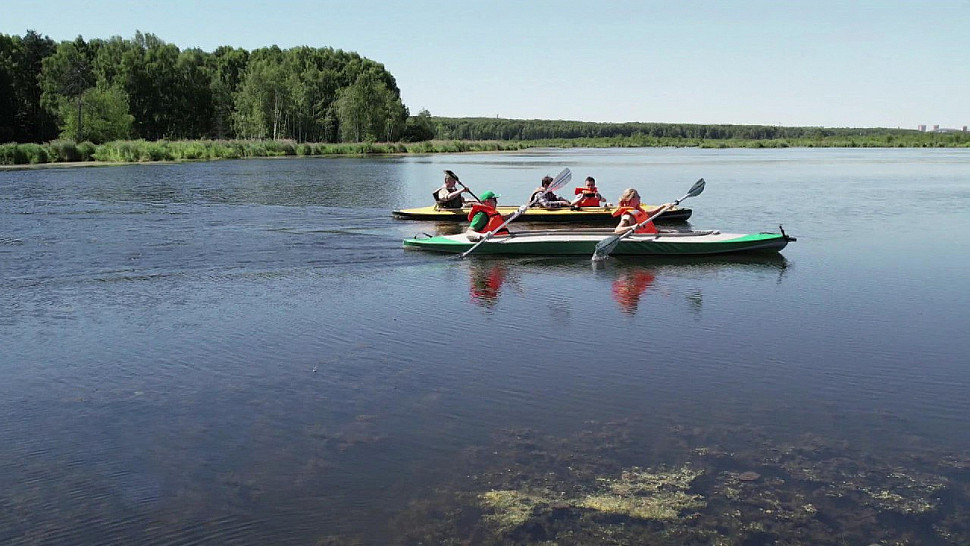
{"x": 86, "y": 150}
{"x": 310, "y": 96}
{"x": 104, "y": 116}
{"x": 190, "y": 94}
{"x": 35, "y": 153}
{"x": 225, "y": 68}
{"x": 295, "y": 94}
{"x": 22, "y": 117}
{"x": 188, "y": 150}
{"x": 66, "y": 75}
{"x": 259, "y": 102}
{"x": 419, "y": 128}
{"x": 64, "y": 151}
{"x": 369, "y": 111}
{"x": 674, "y": 134}
{"x": 8, "y": 96}
{"x": 12, "y": 154}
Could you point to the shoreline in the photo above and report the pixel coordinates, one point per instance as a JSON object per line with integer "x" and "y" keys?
{"x": 144, "y": 153}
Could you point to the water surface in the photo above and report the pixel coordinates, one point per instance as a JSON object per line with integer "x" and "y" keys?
{"x": 242, "y": 352}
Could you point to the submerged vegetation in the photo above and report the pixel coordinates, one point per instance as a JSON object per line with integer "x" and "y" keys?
{"x": 608, "y": 486}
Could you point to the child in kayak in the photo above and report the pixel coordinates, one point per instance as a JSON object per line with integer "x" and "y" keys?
{"x": 632, "y": 214}
{"x": 484, "y": 218}
{"x": 545, "y": 198}
{"x": 588, "y": 195}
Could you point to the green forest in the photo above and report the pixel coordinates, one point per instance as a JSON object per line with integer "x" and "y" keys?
{"x": 142, "y": 99}
{"x": 144, "y": 88}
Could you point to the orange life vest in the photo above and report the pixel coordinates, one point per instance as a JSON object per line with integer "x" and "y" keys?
{"x": 589, "y": 197}
{"x": 494, "y": 218}
{"x": 639, "y": 215}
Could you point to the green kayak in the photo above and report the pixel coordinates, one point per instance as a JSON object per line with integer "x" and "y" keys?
{"x": 583, "y": 242}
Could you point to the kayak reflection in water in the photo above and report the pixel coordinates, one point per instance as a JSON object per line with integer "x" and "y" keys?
{"x": 629, "y": 286}
{"x": 486, "y": 283}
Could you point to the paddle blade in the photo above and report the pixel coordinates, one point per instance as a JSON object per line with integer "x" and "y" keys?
{"x": 605, "y": 247}
{"x": 696, "y": 189}
{"x": 561, "y": 179}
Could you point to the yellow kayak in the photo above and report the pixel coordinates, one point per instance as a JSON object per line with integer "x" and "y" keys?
{"x": 591, "y": 215}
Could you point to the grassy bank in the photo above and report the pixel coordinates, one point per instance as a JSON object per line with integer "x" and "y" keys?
{"x": 129, "y": 151}
{"x": 133, "y": 151}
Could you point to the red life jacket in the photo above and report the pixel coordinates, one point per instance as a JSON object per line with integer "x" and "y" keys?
{"x": 639, "y": 215}
{"x": 494, "y": 218}
{"x": 589, "y": 197}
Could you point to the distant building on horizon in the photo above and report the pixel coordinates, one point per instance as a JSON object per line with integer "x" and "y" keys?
{"x": 936, "y": 129}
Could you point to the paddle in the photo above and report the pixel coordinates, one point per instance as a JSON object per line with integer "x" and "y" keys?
{"x": 561, "y": 180}
{"x": 608, "y": 245}
{"x": 455, "y": 176}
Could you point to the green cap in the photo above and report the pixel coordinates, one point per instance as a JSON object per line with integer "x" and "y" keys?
{"x": 489, "y": 194}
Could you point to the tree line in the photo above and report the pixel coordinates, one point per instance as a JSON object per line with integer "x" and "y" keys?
{"x": 144, "y": 88}
{"x": 100, "y": 91}
{"x": 535, "y": 129}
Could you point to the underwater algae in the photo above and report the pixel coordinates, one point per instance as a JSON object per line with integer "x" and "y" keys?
{"x": 636, "y": 493}
{"x": 606, "y": 485}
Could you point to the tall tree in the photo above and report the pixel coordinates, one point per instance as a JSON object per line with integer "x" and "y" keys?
{"x": 105, "y": 116}
{"x": 260, "y": 101}
{"x": 225, "y": 67}
{"x": 193, "y": 97}
{"x": 23, "y": 118}
{"x": 368, "y": 110}
{"x": 65, "y": 77}
{"x": 9, "y": 50}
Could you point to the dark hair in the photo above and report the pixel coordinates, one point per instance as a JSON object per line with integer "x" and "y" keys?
{"x": 546, "y": 180}
{"x": 590, "y": 179}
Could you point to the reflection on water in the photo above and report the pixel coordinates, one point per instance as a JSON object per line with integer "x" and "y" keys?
{"x": 632, "y": 277}
{"x": 486, "y": 282}
{"x": 629, "y": 286}
{"x": 449, "y": 228}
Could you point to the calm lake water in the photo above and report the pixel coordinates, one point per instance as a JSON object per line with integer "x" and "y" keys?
{"x": 242, "y": 352}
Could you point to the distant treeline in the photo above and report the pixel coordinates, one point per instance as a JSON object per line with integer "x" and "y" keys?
{"x": 689, "y": 134}
{"x": 143, "y": 88}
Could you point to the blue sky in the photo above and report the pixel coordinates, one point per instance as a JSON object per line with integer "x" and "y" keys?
{"x": 888, "y": 63}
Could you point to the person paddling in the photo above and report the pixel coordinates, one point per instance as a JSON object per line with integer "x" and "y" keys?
{"x": 484, "y": 217}
{"x": 588, "y": 195}
{"x": 448, "y": 196}
{"x": 544, "y": 198}
{"x": 632, "y": 214}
